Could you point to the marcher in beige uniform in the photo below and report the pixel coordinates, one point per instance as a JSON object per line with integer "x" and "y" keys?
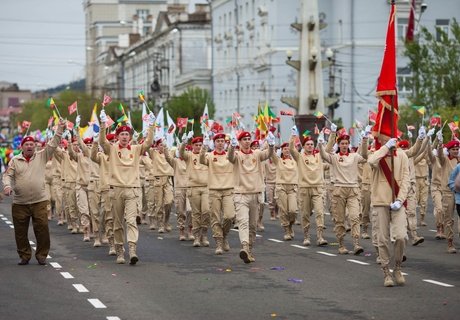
{"x": 248, "y": 188}
{"x": 83, "y": 172}
{"x": 160, "y": 187}
{"x": 448, "y": 163}
{"x": 69, "y": 176}
{"x": 255, "y": 145}
{"x": 102, "y": 160}
{"x": 220, "y": 185}
{"x": 421, "y": 183}
{"x": 270, "y": 181}
{"x": 197, "y": 192}
{"x": 57, "y": 187}
{"x": 94, "y": 192}
{"x": 125, "y": 184}
{"x": 311, "y": 184}
{"x": 286, "y": 189}
{"x": 344, "y": 166}
{"x": 25, "y": 179}
{"x": 392, "y": 221}
{"x": 436, "y": 190}
{"x": 180, "y": 194}
{"x": 411, "y": 209}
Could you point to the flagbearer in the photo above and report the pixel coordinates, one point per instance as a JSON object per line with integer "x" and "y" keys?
{"x": 125, "y": 183}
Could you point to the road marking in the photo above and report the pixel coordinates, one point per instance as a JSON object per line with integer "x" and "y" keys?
{"x": 327, "y": 253}
{"x": 80, "y": 288}
{"x": 327, "y": 213}
{"x": 4, "y": 219}
{"x": 35, "y": 248}
{"x": 31, "y": 242}
{"x": 275, "y": 240}
{"x": 67, "y": 275}
{"x": 8, "y": 222}
{"x": 55, "y": 265}
{"x": 97, "y": 303}
{"x": 1, "y": 215}
{"x": 49, "y": 257}
{"x": 433, "y": 230}
{"x": 358, "y": 262}
{"x": 113, "y": 318}
{"x": 298, "y": 246}
{"x": 12, "y": 227}
{"x": 403, "y": 273}
{"x": 438, "y": 283}
{"x": 258, "y": 236}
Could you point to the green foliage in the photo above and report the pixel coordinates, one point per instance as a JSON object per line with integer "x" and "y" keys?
{"x": 436, "y": 68}
{"x": 190, "y": 105}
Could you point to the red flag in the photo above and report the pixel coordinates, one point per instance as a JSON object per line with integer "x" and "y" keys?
{"x": 182, "y": 122}
{"x": 453, "y": 127}
{"x": 72, "y": 108}
{"x": 385, "y": 124}
{"x": 216, "y": 127}
{"x": 106, "y": 100}
{"x": 341, "y": 132}
{"x": 70, "y": 125}
{"x": 26, "y": 124}
{"x": 109, "y": 121}
{"x": 435, "y": 121}
{"x": 411, "y": 23}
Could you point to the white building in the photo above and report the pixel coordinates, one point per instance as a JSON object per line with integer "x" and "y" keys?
{"x": 251, "y": 38}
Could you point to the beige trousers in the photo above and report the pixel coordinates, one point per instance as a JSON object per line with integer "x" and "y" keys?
{"x": 124, "y": 201}
{"x": 199, "y": 201}
{"x": 247, "y": 210}
{"x": 421, "y": 194}
{"x": 286, "y": 199}
{"x": 346, "y": 198}
{"x": 222, "y": 211}
{"x": 311, "y": 199}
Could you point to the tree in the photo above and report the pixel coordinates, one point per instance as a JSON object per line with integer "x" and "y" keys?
{"x": 434, "y": 61}
{"x": 190, "y": 104}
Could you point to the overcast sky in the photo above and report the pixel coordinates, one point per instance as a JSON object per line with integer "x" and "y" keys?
{"x": 42, "y": 42}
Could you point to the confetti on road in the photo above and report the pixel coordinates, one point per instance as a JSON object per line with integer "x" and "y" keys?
{"x": 278, "y": 268}
{"x": 295, "y": 280}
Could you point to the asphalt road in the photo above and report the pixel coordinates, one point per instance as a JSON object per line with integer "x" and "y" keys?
{"x": 173, "y": 280}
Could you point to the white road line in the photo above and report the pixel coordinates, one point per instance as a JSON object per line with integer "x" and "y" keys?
{"x": 67, "y": 275}
{"x": 4, "y": 219}
{"x": 258, "y": 236}
{"x": 12, "y": 227}
{"x": 1, "y": 215}
{"x": 327, "y": 253}
{"x": 49, "y": 257}
{"x": 55, "y": 265}
{"x": 97, "y": 303}
{"x": 275, "y": 240}
{"x": 35, "y": 248}
{"x": 298, "y": 246}
{"x": 113, "y": 318}
{"x": 438, "y": 283}
{"x": 433, "y": 230}
{"x": 80, "y": 287}
{"x": 358, "y": 262}
{"x": 236, "y": 230}
{"x": 8, "y": 222}
{"x": 31, "y": 242}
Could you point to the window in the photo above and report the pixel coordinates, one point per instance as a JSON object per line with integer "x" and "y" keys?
{"x": 142, "y": 14}
{"x": 442, "y": 25}
{"x": 402, "y": 28}
{"x": 404, "y": 81}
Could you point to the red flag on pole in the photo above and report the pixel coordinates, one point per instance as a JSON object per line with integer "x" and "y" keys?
{"x": 182, "y": 122}
{"x": 72, "y": 108}
{"x": 26, "y": 124}
{"x": 387, "y": 121}
{"x": 411, "y": 23}
{"x": 106, "y": 100}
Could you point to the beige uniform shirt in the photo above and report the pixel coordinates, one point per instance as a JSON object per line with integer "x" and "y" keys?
{"x": 220, "y": 170}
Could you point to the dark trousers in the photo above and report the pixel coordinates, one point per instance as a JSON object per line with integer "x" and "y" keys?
{"x": 21, "y": 218}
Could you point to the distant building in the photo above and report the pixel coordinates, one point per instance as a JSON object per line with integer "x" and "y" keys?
{"x": 11, "y": 100}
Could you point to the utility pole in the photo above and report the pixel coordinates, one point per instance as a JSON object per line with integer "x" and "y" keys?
{"x": 310, "y": 96}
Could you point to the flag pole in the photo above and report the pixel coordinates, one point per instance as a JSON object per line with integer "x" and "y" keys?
{"x": 391, "y": 151}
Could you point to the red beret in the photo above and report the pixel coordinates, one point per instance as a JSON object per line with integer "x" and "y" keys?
{"x": 307, "y": 138}
{"x": 197, "y": 140}
{"x": 343, "y": 137}
{"x": 123, "y": 129}
{"x": 88, "y": 140}
{"x": 255, "y": 142}
{"x": 27, "y": 138}
{"x": 110, "y": 136}
{"x": 452, "y": 144}
{"x": 64, "y": 142}
{"x": 403, "y": 144}
{"x": 272, "y": 129}
{"x": 244, "y": 134}
{"x": 284, "y": 145}
{"x": 219, "y": 136}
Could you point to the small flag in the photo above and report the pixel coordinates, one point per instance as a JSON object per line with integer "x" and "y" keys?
{"x": 26, "y": 124}
{"x": 146, "y": 117}
{"x": 341, "y": 132}
{"x": 50, "y": 103}
{"x": 316, "y": 129}
{"x": 106, "y": 100}
{"x": 70, "y": 125}
{"x": 327, "y": 131}
{"x": 109, "y": 121}
{"x": 192, "y": 121}
{"x": 306, "y": 133}
{"x": 120, "y": 107}
{"x": 72, "y": 108}
{"x": 141, "y": 96}
{"x": 435, "y": 120}
{"x": 182, "y": 122}
{"x": 286, "y": 113}
{"x": 420, "y": 109}
{"x": 123, "y": 118}
{"x": 318, "y": 114}
{"x": 372, "y": 116}
{"x": 453, "y": 127}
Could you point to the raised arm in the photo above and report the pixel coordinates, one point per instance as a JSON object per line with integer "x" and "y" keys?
{"x": 326, "y": 156}
{"x": 51, "y": 146}
{"x": 94, "y": 150}
{"x": 203, "y": 158}
{"x": 103, "y": 140}
{"x": 295, "y": 154}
